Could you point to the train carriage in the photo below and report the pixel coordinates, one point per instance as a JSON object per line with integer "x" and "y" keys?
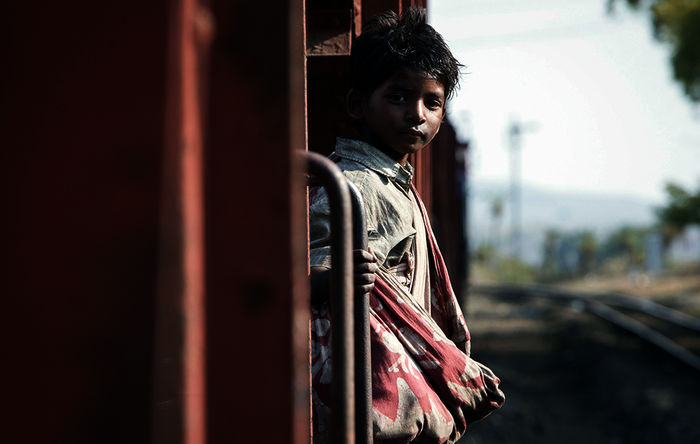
{"x": 158, "y": 251}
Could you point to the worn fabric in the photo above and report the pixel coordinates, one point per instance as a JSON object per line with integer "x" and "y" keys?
{"x": 384, "y": 185}
{"x": 425, "y": 387}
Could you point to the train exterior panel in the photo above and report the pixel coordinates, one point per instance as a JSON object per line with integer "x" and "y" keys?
{"x": 157, "y": 273}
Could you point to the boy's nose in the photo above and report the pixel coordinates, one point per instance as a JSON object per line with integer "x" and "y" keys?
{"x": 416, "y": 113}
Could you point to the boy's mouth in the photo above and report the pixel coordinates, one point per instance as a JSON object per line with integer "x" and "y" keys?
{"x": 413, "y": 133}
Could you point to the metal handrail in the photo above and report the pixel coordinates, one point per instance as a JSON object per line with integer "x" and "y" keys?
{"x": 363, "y": 355}
{"x": 342, "y": 342}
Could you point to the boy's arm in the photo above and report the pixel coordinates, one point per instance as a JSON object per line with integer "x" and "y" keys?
{"x": 365, "y": 268}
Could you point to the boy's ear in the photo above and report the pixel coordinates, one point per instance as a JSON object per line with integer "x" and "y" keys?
{"x": 354, "y": 104}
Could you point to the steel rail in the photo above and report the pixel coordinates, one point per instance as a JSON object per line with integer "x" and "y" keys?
{"x": 331, "y": 178}
{"x": 652, "y": 309}
{"x": 615, "y": 299}
{"x": 594, "y": 304}
{"x": 649, "y": 334}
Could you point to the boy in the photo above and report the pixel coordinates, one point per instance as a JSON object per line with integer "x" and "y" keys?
{"x": 425, "y": 387}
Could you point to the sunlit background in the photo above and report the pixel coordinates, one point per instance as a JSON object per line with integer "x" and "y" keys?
{"x": 603, "y": 125}
{"x": 584, "y": 175}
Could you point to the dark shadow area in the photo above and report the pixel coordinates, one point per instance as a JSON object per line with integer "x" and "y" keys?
{"x": 571, "y": 378}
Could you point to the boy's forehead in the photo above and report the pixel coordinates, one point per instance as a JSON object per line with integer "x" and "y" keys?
{"x": 407, "y": 79}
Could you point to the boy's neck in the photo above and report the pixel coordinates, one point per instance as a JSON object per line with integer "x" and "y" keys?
{"x": 401, "y": 158}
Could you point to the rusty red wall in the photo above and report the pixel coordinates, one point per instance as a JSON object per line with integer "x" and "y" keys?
{"x": 84, "y": 147}
{"x": 83, "y": 102}
{"x": 257, "y": 298}
{"x": 448, "y": 197}
{"x": 85, "y": 155}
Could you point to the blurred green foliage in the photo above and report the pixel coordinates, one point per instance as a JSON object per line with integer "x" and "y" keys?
{"x": 567, "y": 255}
{"x": 501, "y": 268}
{"x": 550, "y": 260}
{"x": 576, "y": 254}
{"x": 515, "y": 271}
{"x": 682, "y": 210}
{"x": 485, "y": 252}
{"x": 626, "y": 243}
{"x": 587, "y": 249}
{"x": 676, "y": 22}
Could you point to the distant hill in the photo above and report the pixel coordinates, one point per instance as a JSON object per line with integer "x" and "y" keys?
{"x": 543, "y": 209}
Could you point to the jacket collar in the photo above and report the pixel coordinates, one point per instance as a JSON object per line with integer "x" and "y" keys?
{"x": 374, "y": 159}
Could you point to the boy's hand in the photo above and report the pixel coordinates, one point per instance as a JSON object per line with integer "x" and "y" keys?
{"x": 365, "y": 269}
{"x": 365, "y": 266}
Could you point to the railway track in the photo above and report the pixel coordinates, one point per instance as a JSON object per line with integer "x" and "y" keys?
{"x": 652, "y": 322}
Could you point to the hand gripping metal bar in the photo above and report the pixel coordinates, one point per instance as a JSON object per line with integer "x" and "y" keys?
{"x": 331, "y": 178}
{"x": 363, "y": 355}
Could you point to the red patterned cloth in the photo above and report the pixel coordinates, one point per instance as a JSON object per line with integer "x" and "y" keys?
{"x": 425, "y": 387}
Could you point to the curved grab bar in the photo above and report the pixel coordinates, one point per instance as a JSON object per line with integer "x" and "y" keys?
{"x": 342, "y": 342}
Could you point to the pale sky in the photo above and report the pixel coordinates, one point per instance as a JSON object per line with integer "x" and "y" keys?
{"x": 609, "y": 117}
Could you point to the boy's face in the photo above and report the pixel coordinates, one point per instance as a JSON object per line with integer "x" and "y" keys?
{"x": 403, "y": 114}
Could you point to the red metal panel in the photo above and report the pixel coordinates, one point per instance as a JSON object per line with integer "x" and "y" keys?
{"x": 329, "y": 27}
{"x": 357, "y": 17}
{"x": 179, "y": 396}
{"x": 374, "y": 7}
{"x": 371, "y": 8}
{"x": 448, "y": 204}
{"x": 405, "y": 4}
{"x": 82, "y": 140}
{"x": 328, "y": 81}
{"x": 257, "y": 302}
{"x": 422, "y": 177}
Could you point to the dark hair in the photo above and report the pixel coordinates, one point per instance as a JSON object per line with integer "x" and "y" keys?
{"x": 390, "y": 43}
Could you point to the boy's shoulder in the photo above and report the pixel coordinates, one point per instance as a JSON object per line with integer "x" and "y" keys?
{"x": 381, "y": 181}
{"x": 368, "y": 182}
{"x": 361, "y": 161}
{"x": 359, "y": 174}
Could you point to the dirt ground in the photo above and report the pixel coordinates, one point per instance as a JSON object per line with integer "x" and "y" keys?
{"x": 571, "y": 378}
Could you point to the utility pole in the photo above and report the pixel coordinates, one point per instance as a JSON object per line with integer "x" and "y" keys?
{"x": 496, "y": 226}
{"x": 516, "y": 129}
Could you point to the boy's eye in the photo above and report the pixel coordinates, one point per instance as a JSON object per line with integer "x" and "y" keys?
{"x": 433, "y": 104}
{"x": 396, "y": 98}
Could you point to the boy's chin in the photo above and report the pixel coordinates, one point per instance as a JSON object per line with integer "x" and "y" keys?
{"x": 408, "y": 149}
{"x": 399, "y": 151}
